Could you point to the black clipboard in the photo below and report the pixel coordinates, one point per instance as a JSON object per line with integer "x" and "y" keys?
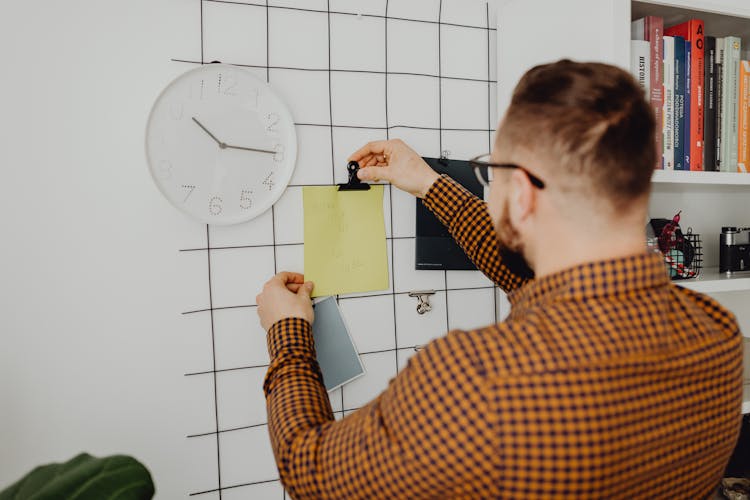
{"x": 435, "y": 248}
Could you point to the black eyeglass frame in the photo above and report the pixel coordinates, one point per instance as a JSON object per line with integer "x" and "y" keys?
{"x": 477, "y": 164}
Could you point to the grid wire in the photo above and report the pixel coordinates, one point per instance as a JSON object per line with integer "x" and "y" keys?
{"x": 398, "y": 349}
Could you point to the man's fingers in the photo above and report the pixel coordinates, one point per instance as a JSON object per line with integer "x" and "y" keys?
{"x": 293, "y": 287}
{"x": 306, "y": 289}
{"x": 286, "y": 277}
{"x": 371, "y": 148}
{"x": 374, "y": 174}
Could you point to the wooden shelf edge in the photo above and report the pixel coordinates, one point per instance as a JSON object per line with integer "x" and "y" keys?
{"x": 711, "y": 280}
{"x": 713, "y": 178}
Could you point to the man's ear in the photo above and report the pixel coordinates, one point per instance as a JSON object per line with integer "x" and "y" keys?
{"x": 523, "y": 196}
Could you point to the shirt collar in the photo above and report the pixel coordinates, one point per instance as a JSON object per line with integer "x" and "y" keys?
{"x": 599, "y": 278}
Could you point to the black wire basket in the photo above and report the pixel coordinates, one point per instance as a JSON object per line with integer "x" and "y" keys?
{"x": 685, "y": 259}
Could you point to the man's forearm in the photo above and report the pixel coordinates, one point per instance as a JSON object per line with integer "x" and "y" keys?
{"x": 297, "y": 402}
{"x": 469, "y": 223}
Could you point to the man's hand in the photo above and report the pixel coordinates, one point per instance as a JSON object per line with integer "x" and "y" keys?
{"x": 397, "y": 163}
{"x": 286, "y": 295}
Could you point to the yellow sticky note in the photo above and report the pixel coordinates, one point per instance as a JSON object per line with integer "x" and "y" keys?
{"x": 345, "y": 249}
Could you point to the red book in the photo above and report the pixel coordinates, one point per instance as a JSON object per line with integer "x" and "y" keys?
{"x": 653, "y": 33}
{"x": 692, "y": 31}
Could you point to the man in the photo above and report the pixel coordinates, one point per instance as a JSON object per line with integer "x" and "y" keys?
{"x": 605, "y": 381}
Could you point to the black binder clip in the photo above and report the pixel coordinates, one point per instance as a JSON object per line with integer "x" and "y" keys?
{"x": 353, "y": 184}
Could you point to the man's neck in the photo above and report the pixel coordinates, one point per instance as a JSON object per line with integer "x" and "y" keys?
{"x": 571, "y": 250}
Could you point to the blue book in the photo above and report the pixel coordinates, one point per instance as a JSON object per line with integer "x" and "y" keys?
{"x": 680, "y": 84}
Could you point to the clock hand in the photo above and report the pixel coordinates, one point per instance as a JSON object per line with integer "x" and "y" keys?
{"x": 250, "y": 149}
{"x": 221, "y": 144}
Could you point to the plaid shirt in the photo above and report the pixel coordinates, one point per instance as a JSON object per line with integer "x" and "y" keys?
{"x": 606, "y": 381}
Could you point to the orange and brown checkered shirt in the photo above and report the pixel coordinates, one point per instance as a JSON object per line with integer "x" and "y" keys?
{"x": 606, "y": 381}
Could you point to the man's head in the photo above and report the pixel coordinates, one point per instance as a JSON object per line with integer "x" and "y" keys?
{"x": 587, "y": 131}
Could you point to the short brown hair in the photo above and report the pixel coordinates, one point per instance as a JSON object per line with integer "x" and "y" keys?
{"x": 592, "y": 120}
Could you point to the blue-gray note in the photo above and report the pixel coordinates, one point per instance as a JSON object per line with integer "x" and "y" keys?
{"x": 338, "y": 359}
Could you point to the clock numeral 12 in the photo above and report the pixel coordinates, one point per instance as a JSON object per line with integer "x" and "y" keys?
{"x": 215, "y": 205}
{"x": 246, "y": 200}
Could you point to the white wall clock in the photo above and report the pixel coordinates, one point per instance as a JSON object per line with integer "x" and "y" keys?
{"x": 220, "y": 144}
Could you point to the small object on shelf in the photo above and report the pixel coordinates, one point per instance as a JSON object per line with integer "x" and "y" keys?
{"x": 734, "y": 249}
{"x": 423, "y": 297}
{"x": 683, "y": 253}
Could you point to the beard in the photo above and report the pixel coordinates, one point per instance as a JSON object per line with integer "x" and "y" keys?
{"x": 510, "y": 245}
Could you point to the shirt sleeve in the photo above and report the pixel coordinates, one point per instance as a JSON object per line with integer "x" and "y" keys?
{"x": 469, "y": 222}
{"x": 429, "y": 434}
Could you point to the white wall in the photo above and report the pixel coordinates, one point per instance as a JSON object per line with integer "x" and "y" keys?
{"x": 89, "y": 357}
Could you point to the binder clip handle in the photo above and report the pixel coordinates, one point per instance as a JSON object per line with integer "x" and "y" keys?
{"x": 423, "y": 300}
{"x": 353, "y": 184}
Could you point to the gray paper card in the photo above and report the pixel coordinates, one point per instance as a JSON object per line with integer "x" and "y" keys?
{"x": 338, "y": 358}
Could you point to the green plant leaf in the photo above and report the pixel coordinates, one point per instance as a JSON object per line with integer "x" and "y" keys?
{"x": 85, "y": 477}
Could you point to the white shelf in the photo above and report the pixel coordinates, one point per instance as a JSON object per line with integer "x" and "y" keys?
{"x": 710, "y": 280}
{"x": 713, "y": 178}
{"x": 746, "y": 399}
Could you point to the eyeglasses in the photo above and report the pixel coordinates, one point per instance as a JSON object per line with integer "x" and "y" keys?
{"x": 482, "y": 169}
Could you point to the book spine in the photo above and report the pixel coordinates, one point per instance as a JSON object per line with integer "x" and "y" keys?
{"x": 709, "y": 106}
{"x": 718, "y": 148}
{"x": 654, "y": 32}
{"x": 692, "y": 31}
{"x": 697, "y": 76}
{"x": 679, "y": 103}
{"x": 668, "y": 106}
{"x": 731, "y": 91}
{"x": 640, "y": 64}
{"x": 686, "y": 131}
{"x": 743, "y": 117}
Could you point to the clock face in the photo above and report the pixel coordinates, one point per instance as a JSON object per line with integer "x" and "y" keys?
{"x": 220, "y": 144}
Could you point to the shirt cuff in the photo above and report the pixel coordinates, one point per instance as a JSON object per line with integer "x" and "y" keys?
{"x": 445, "y": 198}
{"x": 290, "y": 335}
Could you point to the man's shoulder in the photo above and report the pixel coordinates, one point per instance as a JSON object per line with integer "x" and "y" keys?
{"x": 711, "y": 307}
{"x": 569, "y": 336}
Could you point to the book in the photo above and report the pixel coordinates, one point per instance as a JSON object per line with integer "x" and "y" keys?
{"x": 651, "y": 29}
{"x": 640, "y": 64}
{"x": 638, "y": 29}
{"x": 743, "y": 117}
{"x": 688, "y": 109}
{"x": 692, "y": 32}
{"x": 718, "y": 149}
{"x": 709, "y": 105}
{"x": 730, "y": 73}
{"x": 668, "y": 105}
{"x": 680, "y": 82}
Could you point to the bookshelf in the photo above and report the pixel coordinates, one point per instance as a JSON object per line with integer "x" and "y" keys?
{"x": 712, "y": 199}
{"x": 708, "y": 200}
